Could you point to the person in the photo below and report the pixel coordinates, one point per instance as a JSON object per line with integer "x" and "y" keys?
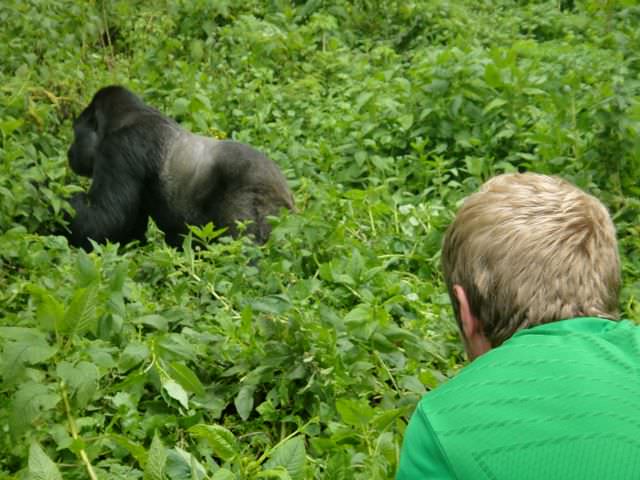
{"x": 553, "y": 388}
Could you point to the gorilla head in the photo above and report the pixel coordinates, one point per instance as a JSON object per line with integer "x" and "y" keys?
{"x": 106, "y": 110}
{"x": 143, "y": 164}
{"x": 82, "y": 151}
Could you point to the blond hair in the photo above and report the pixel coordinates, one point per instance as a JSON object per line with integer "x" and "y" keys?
{"x": 530, "y": 249}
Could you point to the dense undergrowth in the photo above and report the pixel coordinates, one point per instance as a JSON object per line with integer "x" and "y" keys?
{"x": 302, "y": 358}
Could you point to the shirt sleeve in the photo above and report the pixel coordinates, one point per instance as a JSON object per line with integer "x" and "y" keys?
{"x": 422, "y": 456}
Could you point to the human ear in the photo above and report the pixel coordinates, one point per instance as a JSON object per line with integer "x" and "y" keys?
{"x": 474, "y": 339}
{"x": 468, "y": 322}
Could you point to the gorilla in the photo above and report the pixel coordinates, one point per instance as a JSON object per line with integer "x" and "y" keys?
{"x": 143, "y": 164}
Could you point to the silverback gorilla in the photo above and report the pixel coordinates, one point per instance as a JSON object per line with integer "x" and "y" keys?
{"x": 143, "y": 164}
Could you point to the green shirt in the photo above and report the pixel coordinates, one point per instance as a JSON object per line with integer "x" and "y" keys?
{"x": 556, "y": 401}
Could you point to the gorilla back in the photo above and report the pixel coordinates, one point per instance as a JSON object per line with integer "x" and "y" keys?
{"x": 143, "y": 164}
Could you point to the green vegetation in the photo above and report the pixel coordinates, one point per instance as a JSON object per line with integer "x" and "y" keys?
{"x": 305, "y": 357}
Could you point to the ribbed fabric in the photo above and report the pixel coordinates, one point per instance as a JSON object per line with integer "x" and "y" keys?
{"x": 557, "y": 401}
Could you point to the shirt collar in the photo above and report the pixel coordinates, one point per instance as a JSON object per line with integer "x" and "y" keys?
{"x": 578, "y": 324}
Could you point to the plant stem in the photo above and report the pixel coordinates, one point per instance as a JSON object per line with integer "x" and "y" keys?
{"x": 74, "y": 432}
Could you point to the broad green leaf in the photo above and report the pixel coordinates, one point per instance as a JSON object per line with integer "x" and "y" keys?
{"x": 224, "y": 474}
{"x": 359, "y": 315}
{"x": 133, "y": 354}
{"x": 196, "y": 51}
{"x": 87, "y": 272}
{"x": 31, "y": 349}
{"x": 386, "y": 446}
{"x": 154, "y": 321}
{"x": 156, "y": 460}
{"x": 22, "y": 334}
{"x": 125, "y": 400}
{"x": 244, "y": 401}
{"x": 406, "y": 121}
{"x": 381, "y": 343}
{"x": 290, "y": 455}
{"x": 535, "y": 92}
{"x": 412, "y": 384}
{"x": 356, "y": 264}
{"x": 10, "y": 125}
{"x": 456, "y": 103}
{"x": 41, "y": 467}
{"x": 27, "y": 405}
{"x": 182, "y": 465}
{"x": 222, "y": 441}
{"x": 204, "y": 100}
{"x": 475, "y": 165}
{"x": 175, "y": 391}
{"x": 383, "y": 418}
{"x": 506, "y": 132}
{"x": 362, "y": 100}
{"x": 80, "y": 316}
{"x": 118, "y": 277}
{"x": 136, "y": 450}
{"x": 177, "y": 345}
{"x": 185, "y": 377}
{"x": 274, "y": 304}
{"x": 102, "y": 355}
{"x": 332, "y": 272}
{"x": 493, "y": 104}
{"x": 81, "y": 378}
{"x": 280, "y": 473}
{"x": 181, "y": 106}
{"x": 50, "y": 313}
{"x": 110, "y": 325}
{"x": 354, "y": 412}
{"x": 492, "y": 76}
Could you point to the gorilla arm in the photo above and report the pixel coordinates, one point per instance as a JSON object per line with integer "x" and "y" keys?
{"x": 112, "y": 208}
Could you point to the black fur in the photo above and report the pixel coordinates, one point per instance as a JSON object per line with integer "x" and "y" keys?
{"x": 143, "y": 164}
